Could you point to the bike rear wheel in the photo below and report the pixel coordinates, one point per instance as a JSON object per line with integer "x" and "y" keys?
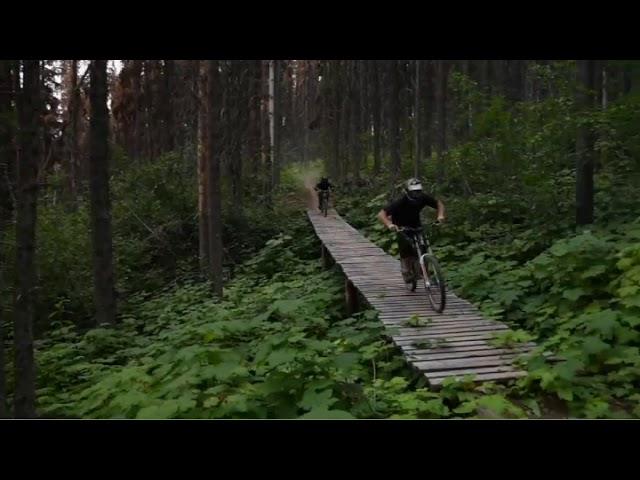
{"x": 325, "y": 204}
{"x": 433, "y": 282}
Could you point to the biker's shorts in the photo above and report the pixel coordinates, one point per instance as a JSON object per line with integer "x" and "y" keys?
{"x": 405, "y": 247}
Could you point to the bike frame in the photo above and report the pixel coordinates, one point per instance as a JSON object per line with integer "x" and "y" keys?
{"x": 324, "y": 196}
{"x": 421, "y": 244}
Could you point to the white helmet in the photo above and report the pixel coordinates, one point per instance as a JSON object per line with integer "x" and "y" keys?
{"x": 413, "y": 189}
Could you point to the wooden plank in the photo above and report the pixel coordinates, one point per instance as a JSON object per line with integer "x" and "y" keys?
{"x": 483, "y": 377}
{"x": 400, "y": 318}
{"x": 460, "y": 372}
{"x": 473, "y": 362}
{"x": 417, "y": 338}
{"x": 434, "y": 320}
{"x": 469, "y": 345}
{"x": 450, "y": 323}
{"x": 451, "y": 343}
{"x": 419, "y": 355}
{"x": 405, "y": 331}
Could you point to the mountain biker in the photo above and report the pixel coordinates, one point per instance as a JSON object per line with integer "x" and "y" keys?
{"x": 322, "y": 186}
{"x": 405, "y": 212}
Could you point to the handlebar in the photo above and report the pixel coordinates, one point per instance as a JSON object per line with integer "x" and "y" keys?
{"x": 419, "y": 229}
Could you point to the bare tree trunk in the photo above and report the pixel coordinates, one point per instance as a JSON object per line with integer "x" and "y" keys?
{"x": 337, "y": 104}
{"x": 74, "y": 110}
{"x": 168, "y": 104}
{"x": 266, "y": 133}
{"x": 275, "y": 121}
{"x": 4, "y": 412}
{"x": 213, "y": 172}
{"x": 26, "y": 210}
{"x": 356, "y": 130}
{"x": 417, "y": 119}
{"x": 364, "y": 110}
{"x": 376, "y": 114}
{"x": 429, "y": 103}
{"x": 136, "y": 150}
{"x": 203, "y": 138}
{"x": 235, "y": 94}
{"x": 254, "y": 118}
{"x": 103, "y": 272}
{"x": 626, "y": 80}
{"x": 584, "y": 145}
{"x": 605, "y": 86}
{"x": 7, "y": 156}
{"x": 394, "y": 119}
{"x": 441, "y": 107}
{"x": 306, "y": 97}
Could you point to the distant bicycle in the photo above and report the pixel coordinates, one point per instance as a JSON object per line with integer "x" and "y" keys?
{"x": 324, "y": 201}
{"x": 427, "y": 264}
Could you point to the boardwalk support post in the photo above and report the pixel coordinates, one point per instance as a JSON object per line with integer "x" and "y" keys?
{"x": 351, "y": 297}
{"x": 327, "y": 261}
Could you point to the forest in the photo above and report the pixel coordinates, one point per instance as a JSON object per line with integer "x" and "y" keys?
{"x": 157, "y": 260}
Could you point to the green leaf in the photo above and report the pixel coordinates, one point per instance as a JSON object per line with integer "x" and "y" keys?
{"x": 573, "y": 294}
{"x": 628, "y": 291}
{"x": 568, "y": 369}
{"x": 603, "y": 322}
{"x": 466, "y": 407}
{"x": 631, "y": 301}
{"x": 594, "y": 271}
{"x": 166, "y": 409}
{"x": 280, "y": 356}
{"x": 593, "y": 345}
{"x": 533, "y": 405}
{"x": 347, "y": 360}
{"x": 322, "y": 414}
{"x": 317, "y": 400}
{"x": 565, "y": 394}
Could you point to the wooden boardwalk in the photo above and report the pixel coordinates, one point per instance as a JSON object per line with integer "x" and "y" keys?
{"x": 451, "y": 344}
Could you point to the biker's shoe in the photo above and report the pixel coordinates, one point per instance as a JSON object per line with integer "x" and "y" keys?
{"x": 411, "y": 286}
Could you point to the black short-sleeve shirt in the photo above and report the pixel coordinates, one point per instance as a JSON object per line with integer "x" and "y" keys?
{"x": 406, "y": 213}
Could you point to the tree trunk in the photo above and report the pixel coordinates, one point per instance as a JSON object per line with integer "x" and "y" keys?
{"x": 626, "y": 80}
{"x": 72, "y": 148}
{"x": 364, "y": 110}
{"x": 254, "y": 118}
{"x": 265, "y": 125}
{"x": 235, "y": 94}
{"x": 605, "y": 86}
{"x": 417, "y": 119}
{"x": 203, "y": 136}
{"x": 584, "y": 145}
{"x": 337, "y": 104}
{"x": 168, "y": 106}
{"x": 376, "y": 115}
{"x": 394, "y": 119}
{"x": 213, "y": 183}
{"x": 356, "y": 116}
{"x": 429, "y": 101}
{"x": 4, "y": 413}
{"x": 26, "y": 211}
{"x": 103, "y": 271}
{"x": 136, "y": 80}
{"x": 441, "y": 108}
{"x": 306, "y": 96}
{"x": 7, "y": 157}
{"x": 485, "y": 75}
{"x": 275, "y": 121}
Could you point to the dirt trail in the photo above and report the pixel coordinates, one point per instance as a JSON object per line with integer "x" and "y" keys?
{"x": 310, "y": 181}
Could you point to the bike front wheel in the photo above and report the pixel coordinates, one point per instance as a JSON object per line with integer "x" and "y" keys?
{"x": 434, "y": 284}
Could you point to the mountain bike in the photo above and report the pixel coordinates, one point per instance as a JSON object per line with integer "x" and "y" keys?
{"x": 427, "y": 264}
